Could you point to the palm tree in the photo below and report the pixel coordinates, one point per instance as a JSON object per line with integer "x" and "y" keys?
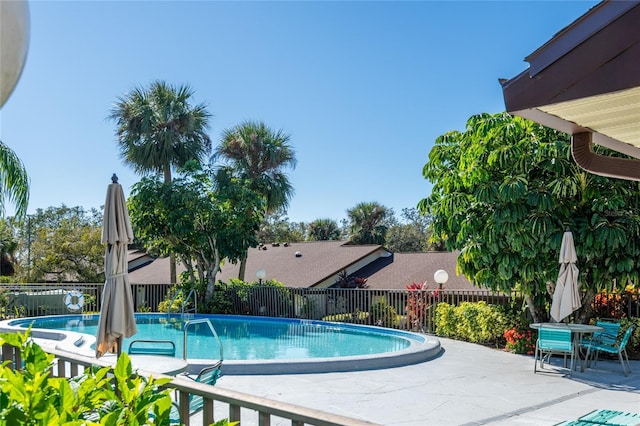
{"x": 324, "y": 230}
{"x": 14, "y": 182}
{"x": 158, "y": 130}
{"x": 368, "y": 223}
{"x": 258, "y": 154}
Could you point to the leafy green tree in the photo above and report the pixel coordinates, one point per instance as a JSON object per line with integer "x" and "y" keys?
{"x": 201, "y": 220}
{"x": 412, "y": 235}
{"x": 323, "y": 230}
{"x": 505, "y": 189}
{"x": 369, "y": 222}
{"x": 62, "y": 243}
{"x": 276, "y": 228}
{"x": 14, "y": 182}
{"x": 159, "y": 130}
{"x": 255, "y": 153}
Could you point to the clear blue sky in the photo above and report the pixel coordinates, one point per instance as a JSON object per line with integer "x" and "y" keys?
{"x": 364, "y": 88}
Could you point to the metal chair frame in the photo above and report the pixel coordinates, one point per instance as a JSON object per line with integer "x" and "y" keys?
{"x": 554, "y": 341}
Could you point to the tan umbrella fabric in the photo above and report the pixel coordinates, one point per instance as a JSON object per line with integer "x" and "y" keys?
{"x": 566, "y": 297}
{"x": 116, "y": 314}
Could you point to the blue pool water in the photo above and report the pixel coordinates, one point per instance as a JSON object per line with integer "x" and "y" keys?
{"x": 248, "y": 338}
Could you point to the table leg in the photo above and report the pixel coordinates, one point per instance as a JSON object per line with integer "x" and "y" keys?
{"x": 583, "y": 360}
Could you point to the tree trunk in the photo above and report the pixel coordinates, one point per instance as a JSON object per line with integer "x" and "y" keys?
{"x": 172, "y": 269}
{"x": 585, "y": 313}
{"x": 537, "y": 313}
{"x": 243, "y": 266}
{"x": 212, "y": 270}
{"x": 172, "y": 258}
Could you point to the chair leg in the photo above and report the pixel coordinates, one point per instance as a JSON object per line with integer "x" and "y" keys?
{"x": 626, "y": 367}
{"x": 535, "y": 359}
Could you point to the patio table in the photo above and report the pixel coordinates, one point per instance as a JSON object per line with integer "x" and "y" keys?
{"x": 577, "y": 332}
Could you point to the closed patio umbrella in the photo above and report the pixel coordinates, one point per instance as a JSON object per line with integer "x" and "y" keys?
{"x": 566, "y": 297}
{"x": 116, "y": 313}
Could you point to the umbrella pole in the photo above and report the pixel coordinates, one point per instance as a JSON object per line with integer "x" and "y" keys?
{"x": 119, "y": 346}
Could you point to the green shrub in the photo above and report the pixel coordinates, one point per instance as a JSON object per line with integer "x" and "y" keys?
{"x": 30, "y": 396}
{"x": 473, "y": 322}
{"x": 383, "y": 314}
{"x": 633, "y": 347}
{"x": 247, "y": 298}
{"x": 171, "y": 297}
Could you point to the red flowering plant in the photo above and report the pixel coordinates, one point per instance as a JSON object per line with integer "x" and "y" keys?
{"x": 345, "y": 280}
{"x": 520, "y": 341}
{"x": 614, "y": 304}
{"x": 420, "y": 300}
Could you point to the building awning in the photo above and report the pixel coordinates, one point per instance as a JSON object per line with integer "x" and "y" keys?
{"x": 585, "y": 81}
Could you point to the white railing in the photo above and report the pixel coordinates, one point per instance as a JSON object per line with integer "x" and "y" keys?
{"x": 236, "y": 406}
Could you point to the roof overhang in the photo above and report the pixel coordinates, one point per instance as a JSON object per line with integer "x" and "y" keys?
{"x": 585, "y": 81}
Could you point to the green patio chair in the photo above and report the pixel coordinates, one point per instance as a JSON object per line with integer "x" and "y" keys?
{"x": 611, "y": 418}
{"x": 554, "y": 341}
{"x": 608, "y": 336}
{"x": 208, "y": 375}
{"x": 618, "y": 347}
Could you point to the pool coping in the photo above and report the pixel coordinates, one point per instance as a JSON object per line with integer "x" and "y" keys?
{"x": 422, "y": 348}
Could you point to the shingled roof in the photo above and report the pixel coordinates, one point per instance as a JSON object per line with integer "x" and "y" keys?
{"x": 319, "y": 263}
{"x": 402, "y": 269}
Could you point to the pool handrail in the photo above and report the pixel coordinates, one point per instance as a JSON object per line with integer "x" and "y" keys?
{"x": 185, "y": 329}
{"x": 191, "y": 294}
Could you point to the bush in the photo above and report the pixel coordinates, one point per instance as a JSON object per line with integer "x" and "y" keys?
{"x": 633, "y": 347}
{"x": 250, "y": 298}
{"x": 177, "y": 302}
{"x": 382, "y": 314}
{"x": 222, "y": 302}
{"x": 472, "y": 322}
{"x": 520, "y": 341}
{"x": 31, "y": 397}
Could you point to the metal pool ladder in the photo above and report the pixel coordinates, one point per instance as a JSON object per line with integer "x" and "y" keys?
{"x": 191, "y": 294}
{"x": 190, "y": 323}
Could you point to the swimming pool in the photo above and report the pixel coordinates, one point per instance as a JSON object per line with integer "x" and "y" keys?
{"x": 261, "y": 345}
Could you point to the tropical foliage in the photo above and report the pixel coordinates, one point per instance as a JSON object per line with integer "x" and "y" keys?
{"x": 30, "y": 396}
{"x": 473, "y": 322}
{"x": 323, "y": 230}
{"x": 256, "y": 154}
{"x": 368, "y": 223}
{"x": 14, "y": 182}
{"x": 259, "y": 154}
{"x": 9, "y": 245}
{"x": 203, "y": 222}
{"x": 276, "y": 228}
{"x": 505, "y": 190}
{"x": 61, "y": 244}
{"x": 159, "y": 130}
{"x": 413, "y": 235}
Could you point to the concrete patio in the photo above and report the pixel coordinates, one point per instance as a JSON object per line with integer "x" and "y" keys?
{"x": 466, "y": 385}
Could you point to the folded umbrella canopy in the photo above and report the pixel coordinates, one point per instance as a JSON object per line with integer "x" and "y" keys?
{"x": 116, "y": 314}
{"x": 566, "y": 297}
